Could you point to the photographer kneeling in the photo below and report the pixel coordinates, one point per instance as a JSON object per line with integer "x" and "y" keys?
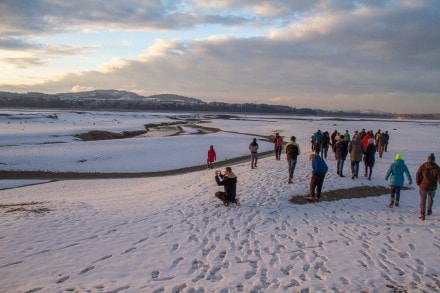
{"x": 229, "y": 181}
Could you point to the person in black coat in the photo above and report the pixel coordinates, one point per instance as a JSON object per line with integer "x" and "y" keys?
{"x": 229, "y": 181}
{"x": 369, "y": 158}
{"x": 341, "y": 151}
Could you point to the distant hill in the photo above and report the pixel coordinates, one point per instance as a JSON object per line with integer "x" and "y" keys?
{"x": 124, "y": 100}
{"x": 101, "y": 94}
{"x": 176, "y": 98}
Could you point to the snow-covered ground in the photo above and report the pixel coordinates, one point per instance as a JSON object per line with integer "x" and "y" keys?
{"x": 170, "y": 234}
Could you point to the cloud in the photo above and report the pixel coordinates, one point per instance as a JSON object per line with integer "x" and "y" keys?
{"x": 322, "y": 54}
{"x": 79, "y": 88}
{"x": 22, "y": 62}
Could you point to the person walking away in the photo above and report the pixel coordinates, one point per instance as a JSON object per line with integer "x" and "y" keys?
{"x": 396, "y": 174}
{"x": 333, "y": 137}
{"x": 318, "y": 174}
{"x": 347, "y": 136}
{"x": 356, "y": 150}
{"x": 427, "y": 177}
{"x": 341, "y": 152}
{"x": 367, "y": 137}
{"x": 381, "y": 141}
{"x": 387, "y": 140}
{"x": 211, "y": 158}
{"x": 278, "y": 141}
{"x": 229, "y": 182}
{"x": 253, "y": 148}
{"x": 325, "y": 143}
{"x": 376, "y": 138}
{"x": 292, "y": 151}
{"x": 369, "y": 158}
{"x": 317, "y": 141}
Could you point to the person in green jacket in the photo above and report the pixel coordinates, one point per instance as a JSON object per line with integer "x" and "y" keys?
{"x": 396, "y": 174}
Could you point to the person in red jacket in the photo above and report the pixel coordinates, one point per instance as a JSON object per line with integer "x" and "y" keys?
{"x": 211, "y": 157}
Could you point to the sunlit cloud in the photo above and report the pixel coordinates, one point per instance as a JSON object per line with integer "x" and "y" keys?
{"x": 115, "y": 64}
{"x": 79, "y": 88}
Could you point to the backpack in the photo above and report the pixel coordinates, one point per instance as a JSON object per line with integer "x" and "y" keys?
{"x": 279, "y": 142}
{"x": 292, "y": 149}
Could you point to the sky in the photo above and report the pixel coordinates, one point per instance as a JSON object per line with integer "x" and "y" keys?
{"x": 333, "y": 55}
{"x": 170, "y": 233}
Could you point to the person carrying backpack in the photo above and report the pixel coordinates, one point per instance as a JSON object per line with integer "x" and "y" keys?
{"x": 292, "y": 152}
{"x": 278, "y": 141}
{"x": 320, "y": 168}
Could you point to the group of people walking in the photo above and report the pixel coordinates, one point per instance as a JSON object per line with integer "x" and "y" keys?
{"x": 362, "y": 146}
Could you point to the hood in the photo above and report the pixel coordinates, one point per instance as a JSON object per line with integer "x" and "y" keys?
{"x": 230, "y": 175}
{"x": 431, "y": 165}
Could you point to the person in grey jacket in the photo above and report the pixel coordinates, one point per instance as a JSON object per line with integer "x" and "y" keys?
{"x": 253, "y": 149}
{"x": 396, "y": 174}
{"x": 356, "y": 150}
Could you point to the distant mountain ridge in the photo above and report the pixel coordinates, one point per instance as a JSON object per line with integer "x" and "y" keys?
{"x": 125, "y": 95}
{"x": 125, "y": 100}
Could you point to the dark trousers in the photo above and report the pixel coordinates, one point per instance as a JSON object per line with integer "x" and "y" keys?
{"x": 278, "y": 152}
{"x": 355, "y": 168}
{"x": 316, "y": 183}
{"x": 221, "y": 195}
{"x": 340, "y": 167}
{"x": 368, "y": 171}
{"x": 395, "y": 193}
{"x": 292, "y": 165}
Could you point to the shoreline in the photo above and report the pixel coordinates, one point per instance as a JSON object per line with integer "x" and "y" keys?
{"x": 51, "y": 175}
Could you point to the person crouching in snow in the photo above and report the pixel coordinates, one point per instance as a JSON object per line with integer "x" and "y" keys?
{"x": 229, "y": 181}
{"x": 211, "y": 157}
{"x": 396, "y": 171}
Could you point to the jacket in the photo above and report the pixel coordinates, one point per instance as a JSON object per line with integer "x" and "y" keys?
{"x": 319, "y": 166}
{"x": 427, "y": 176}
{"x": 211, "y": 155}
{"x": 370, "y": 154}
{"x": 229, "y": 181}
{"x": 291, "y": 154}
{"x": 396, "y": 171}
{"x": 253, "y": 147}
{"x": 356, "y": 150}
{"x": 341, "y": 149}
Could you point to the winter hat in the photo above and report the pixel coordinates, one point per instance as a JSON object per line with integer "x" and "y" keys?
{"x": 398, "y": 157}
{"x": 431, "y": 158}
{"x": 293, "y": 138}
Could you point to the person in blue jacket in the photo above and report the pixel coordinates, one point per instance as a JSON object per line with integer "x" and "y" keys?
{"x": 396, "y": 174}
{"x": 318, "y": 174}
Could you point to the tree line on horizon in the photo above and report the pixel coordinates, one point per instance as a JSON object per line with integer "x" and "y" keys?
{"x": 105, "y": 100}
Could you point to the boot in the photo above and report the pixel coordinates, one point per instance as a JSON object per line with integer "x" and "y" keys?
{"x": 391, "y": 204}
{"x": 422, "y": 217}
{"x": 429, "y": 212}
{"x": 396, "y": 204}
